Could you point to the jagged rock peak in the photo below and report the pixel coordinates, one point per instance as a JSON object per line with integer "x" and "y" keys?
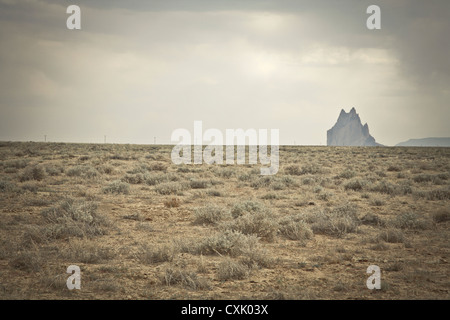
{"x": 349, "y": 131}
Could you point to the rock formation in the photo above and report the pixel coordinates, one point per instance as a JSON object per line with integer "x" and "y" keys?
{"x": 348, "y": 131}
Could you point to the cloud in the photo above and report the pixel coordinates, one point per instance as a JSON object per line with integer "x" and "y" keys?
{"x": 140, "y": 69}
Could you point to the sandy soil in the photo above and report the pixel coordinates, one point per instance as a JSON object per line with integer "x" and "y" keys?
{"x": 141, "y": 227}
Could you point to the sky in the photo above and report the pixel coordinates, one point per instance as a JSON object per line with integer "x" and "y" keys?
{"x": 138, "y": 70}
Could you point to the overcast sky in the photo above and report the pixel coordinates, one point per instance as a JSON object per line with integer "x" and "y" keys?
{"x": 141, "y": 69}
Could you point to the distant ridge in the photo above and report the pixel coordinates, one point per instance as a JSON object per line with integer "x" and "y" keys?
{"x": 349, "y": 131}
{"x": 425, "y": 142}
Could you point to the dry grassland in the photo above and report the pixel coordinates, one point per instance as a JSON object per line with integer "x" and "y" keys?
{"x": 141, "y": 227}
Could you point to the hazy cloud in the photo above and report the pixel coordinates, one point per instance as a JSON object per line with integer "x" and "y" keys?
{"x": 140, "y": 69}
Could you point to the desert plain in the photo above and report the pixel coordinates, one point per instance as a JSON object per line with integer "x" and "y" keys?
{"x": 141, "y": 227}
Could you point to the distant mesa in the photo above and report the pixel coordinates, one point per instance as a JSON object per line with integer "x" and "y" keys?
{"x": 425, "y": 142}
{"x": 349, "y": 131}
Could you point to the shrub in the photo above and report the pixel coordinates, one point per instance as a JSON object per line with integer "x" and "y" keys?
{"x": 90, "y": 173}
{"x": 256, "y": 257}
{"x": 157, "y": 166}
{"x": 294, "y": 228}
{"x": 75, "y": 171}
{"x": 410, "y": 220}
{"x": 118, "y": 156}
{"x": 401, "y": 175}
{"x": 325, "y": 196}
{"x": 187, "y": 279}
{"x": 261, "y": 182}
{"x": 317, "y": 189}
{"x": 6, "y": 186}
{"x": 168, "y": 188}
{"x": 74, "y": 218}
{"x": 137, "y": 178}
{"x": 198, "y": 184}
{"x": 142, "y": 168}
{"x": 88, "y": 252}
{"x": 210, "y": 214}
{"x": 278, "y": 186}
{"x": 394, "y": 168}
{"x": 347, "y": 174}
{"x": 380, "y": 246}
{"x": 172, "y": 203}
{"x": 245, "y": 177}
{"x": 30, "y": 186}
{"x": 33, "y": 173}
{"x": 261, "y": 224}
{"x": 34, "y": 235}
{"x": 226, "y": 173}
{"x": 293, "y": 170}
{"x": 404, "y": 189}
{"x": 52, "y": 280}
{"x": 37, "y": 202}
{"x": 227, "y": 242}
{"x": 337, "y": 222}
{"x": 232, "y": 270}
{"x": 214, "y": 193}
{"x": 308, "y": 169}
{"x": 270, "y": 196}
{"x": 442, "y": 176}
{"x": 311, "y": 169}
{"x": 117, "y": 187}
{"x": 308, "y": 180}
{"x": 155, "y": 178}
{"x": 437, "y": 194}
{"x": 82, "y": 171}
{"x": 377, "y": 202}
{"x": 183, "y": 168}
{"x": 302, "y": 202}
{"x": 371, "y": 219}
{"x": 423, "y": 178}
{"x": 27, "y": 261}
{"x": 381, "y": 174}
{"x": 54, "y": 170}
{"x": 246, "y": 206}
{"x": 391, "y": 236}
{"x": 288, "y": 181}
{"x": 440, "y": 216}
{"x": 356, "y": 185}
{"x": 395, "y": 266}
{"x": 233, "y": 244}
{"x": 107, "y": 169}
{"x": 17, "y": 164}
{"x": 436, "y": 179}
{"x": 136, "y": 216}
{"x": 385, "y": 187}
{"x": 151, "y": 255}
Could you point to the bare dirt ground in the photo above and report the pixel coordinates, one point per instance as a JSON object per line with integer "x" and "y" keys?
{"x": 141, "y": 227}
